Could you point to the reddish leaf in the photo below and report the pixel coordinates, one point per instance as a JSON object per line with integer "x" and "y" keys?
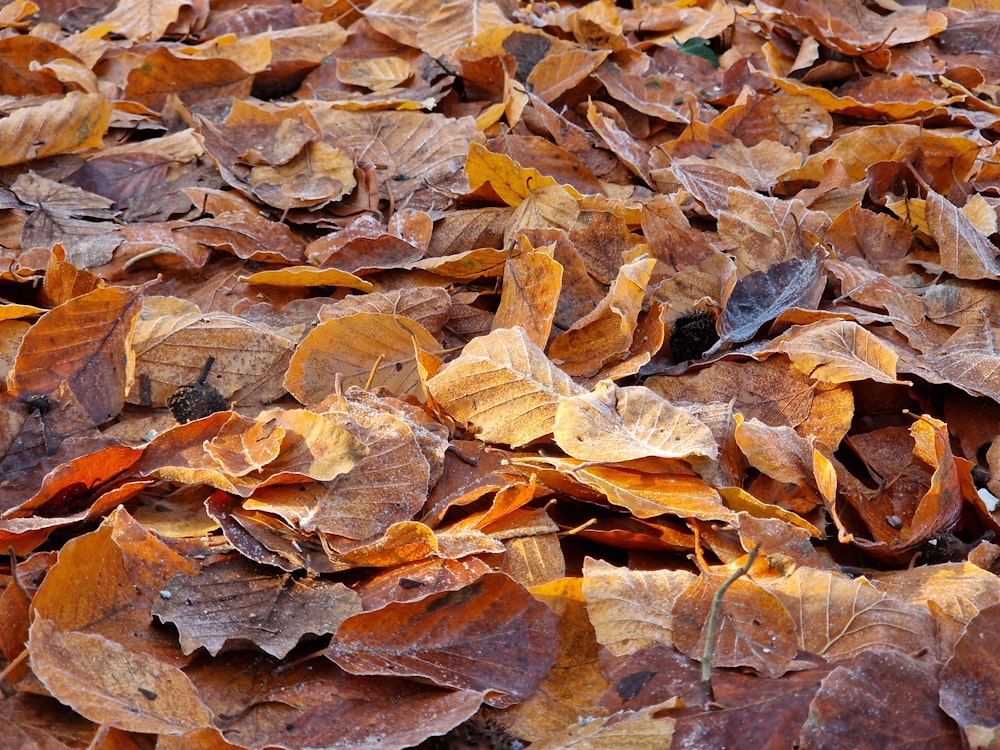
{"x": 491, "y": 635}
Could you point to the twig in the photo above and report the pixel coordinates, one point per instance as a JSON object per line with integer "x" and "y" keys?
{"x": 713, "y": 620}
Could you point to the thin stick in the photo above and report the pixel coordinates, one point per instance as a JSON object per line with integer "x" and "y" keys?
{"x": 713, "y": 621}
{"x": 13, "y": 665}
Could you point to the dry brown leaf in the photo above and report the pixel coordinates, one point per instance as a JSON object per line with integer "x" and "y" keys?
{"x": 644, "y": 494}
{"x": 85, "y": 342}
{"x": 162, "y": 74}
{"x": 357, "y": 346}
{"x": 966, "y": 681}
{"x": 111, "y": 684}
{"x": 236, "y": 602}
{"x": 630, "y": 609}
{"x": 575, "y": 683}
{"x": 607, "y": 331}
{"x": 318, "y": 175}
{"x": 838, "y": 352}
{"x": 171, "y": 350}
{"x": 532, "y": 280}
{"x": 490, "y": 636}
{"x": 144, "y": 20}
{"x": 754, "y": 628}
{"x": 503, "y": 387}
{"x": 74, "y": 122}
{"x": 292, "y": 446}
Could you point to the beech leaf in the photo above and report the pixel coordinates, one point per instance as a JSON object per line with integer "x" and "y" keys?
{"x": 503, "y": 387}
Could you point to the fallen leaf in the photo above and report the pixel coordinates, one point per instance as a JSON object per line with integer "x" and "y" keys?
{"x": 513, "y": 636}
{"x": 235, "y": 602}
{"x": 503, "y": 387}
{"x": 620, "y": 424}
{"x": 85, "y": 342}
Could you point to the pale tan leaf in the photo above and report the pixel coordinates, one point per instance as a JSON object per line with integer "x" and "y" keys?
{"x": 144, "y": 20}
{"x": 837, "y": 617}
{"x": 754, "y": 629}
{"x": 965, "y": 251}
{"x": 838, "y": 351}
{"x": 631, "y": 609}
{"x": 377, "y": 74}
{"x": 621, "y": 424}
{"x": 171, "y": 350}
{"x": 503, "y": 387}
{"x": 457, "y": 22}
{"x": 532, "y": 281}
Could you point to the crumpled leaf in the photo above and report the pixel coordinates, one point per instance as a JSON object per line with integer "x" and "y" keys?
{"x": 287, "y": 447}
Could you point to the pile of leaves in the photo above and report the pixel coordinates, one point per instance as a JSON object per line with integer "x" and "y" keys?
{"x": 387, "y": 374}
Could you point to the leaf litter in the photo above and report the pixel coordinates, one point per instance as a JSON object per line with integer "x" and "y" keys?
{"x": 516, "y": 328}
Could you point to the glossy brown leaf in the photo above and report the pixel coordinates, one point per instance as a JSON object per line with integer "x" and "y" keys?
{"x": 85, "y": 342}
{"x": 491, "y": 635}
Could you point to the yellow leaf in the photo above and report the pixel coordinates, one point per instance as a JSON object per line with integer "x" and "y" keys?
{"x": 512, "y": 182}
{"x": 75, "y": 122}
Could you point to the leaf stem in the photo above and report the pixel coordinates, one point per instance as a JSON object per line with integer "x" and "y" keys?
{"x": 713, "y": 621}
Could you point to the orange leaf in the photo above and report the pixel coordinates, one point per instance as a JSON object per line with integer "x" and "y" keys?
{"x": 111, "y": 684}
{"x": 355, "y": 346}
{"x": 86, "y": 342}
{"x": 75, "y": 122}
